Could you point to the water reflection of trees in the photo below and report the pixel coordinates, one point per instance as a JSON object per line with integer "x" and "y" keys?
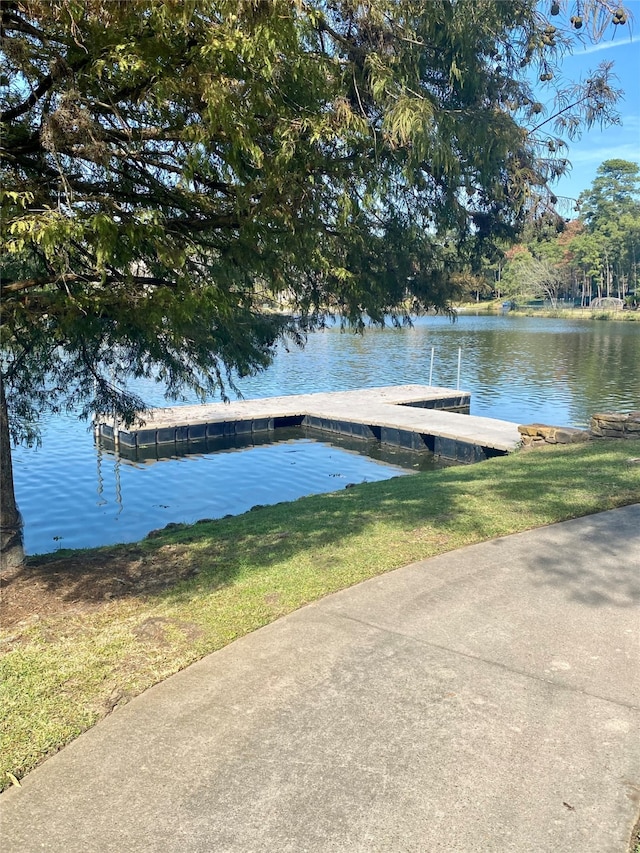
{"x": 598, "y": 361}
{"x": 588, "y": 367}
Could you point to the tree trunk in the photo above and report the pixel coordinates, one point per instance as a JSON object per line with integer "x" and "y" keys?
{"x": 11, "y": 544}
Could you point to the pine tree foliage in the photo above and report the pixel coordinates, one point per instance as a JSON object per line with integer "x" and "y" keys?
{"x": 596, "y": 255}
{"x": 609, "y": 249}
{"x": 614, "y": 194}
{"x": 174, "y": 172}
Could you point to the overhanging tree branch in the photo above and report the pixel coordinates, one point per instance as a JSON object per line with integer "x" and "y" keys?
{"x": 88, "y": 278}
{"x": 44, "y": 86}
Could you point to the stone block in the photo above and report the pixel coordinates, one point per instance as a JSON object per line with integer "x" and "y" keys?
{"x": 549, "y": 434}
{"x": 579, "y": 436}
{"x": 570, "y": 435}
{"x": 531, "y": 441}
{"x": 611, "y": 417}
{"x": 534, "y": 429}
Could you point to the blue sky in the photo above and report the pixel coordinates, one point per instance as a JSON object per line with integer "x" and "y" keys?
{"x": 621, "y": 45}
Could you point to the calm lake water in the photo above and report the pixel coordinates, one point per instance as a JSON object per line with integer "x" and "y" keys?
{"x": 72, "y": 494}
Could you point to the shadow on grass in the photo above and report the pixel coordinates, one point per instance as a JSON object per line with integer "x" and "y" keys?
{"x": 454, "y": 506}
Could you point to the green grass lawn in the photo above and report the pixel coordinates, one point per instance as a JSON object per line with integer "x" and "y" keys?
{"x": 65, "y": 667}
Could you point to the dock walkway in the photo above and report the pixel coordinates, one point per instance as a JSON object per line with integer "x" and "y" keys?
{"x": 410, "y": 416}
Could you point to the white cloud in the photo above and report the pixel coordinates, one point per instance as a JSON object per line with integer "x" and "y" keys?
{"x": 605, "y": 45}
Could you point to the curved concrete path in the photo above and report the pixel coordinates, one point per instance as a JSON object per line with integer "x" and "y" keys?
{"x": 484, "y": 700}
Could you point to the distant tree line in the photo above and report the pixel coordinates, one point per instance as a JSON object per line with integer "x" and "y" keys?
{"x": 594, "y": 256}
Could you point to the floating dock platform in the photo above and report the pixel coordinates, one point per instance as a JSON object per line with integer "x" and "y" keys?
{"x": 415, "y": 417}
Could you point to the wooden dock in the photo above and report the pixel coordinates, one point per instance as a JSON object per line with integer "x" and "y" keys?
{"x": 415, "y": 417}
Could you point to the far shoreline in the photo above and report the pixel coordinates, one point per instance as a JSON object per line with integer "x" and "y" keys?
{"x": 495, "y": 308}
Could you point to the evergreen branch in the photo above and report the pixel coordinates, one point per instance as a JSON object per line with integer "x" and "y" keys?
{"x": 13, "y": 22}
{"x": 44, "y": 86}
{"x": 88, "y": 278}
{"x": 41, "y": 89}
{"x": 557, "y": 114}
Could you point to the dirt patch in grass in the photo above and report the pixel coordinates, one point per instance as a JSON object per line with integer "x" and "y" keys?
{"x": 87, "y": 581}
{"x": 157, "y": 630}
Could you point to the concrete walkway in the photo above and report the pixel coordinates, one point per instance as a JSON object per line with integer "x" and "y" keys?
{"x": 484, "y": 700}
